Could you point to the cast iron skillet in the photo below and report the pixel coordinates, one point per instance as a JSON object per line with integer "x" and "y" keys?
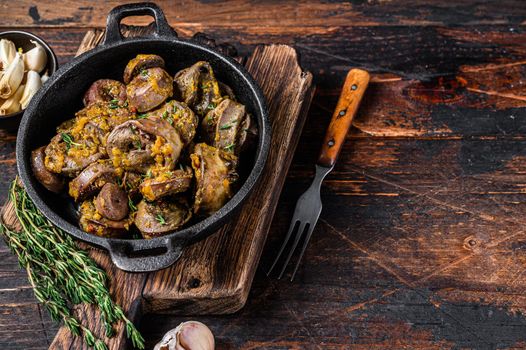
{"x": 61, "y": 97}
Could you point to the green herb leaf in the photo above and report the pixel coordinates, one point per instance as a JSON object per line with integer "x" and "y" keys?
{"x": 225, "y": 126}
{"x": 166, "y": 116}
{"x": 68, "y": 139}
{"x": 160, "y": 219}
{"x": 142, "y": 116}
{"x": 229, "y": 147}
{"x": 132, "y": 206}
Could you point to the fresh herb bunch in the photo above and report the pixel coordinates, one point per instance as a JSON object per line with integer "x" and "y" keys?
{"x": 61, "y": 274}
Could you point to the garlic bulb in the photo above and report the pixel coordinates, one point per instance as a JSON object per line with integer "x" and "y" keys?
{"x": 191, "y": 335}
{"x": 7, "y": 52}
{"x": 36, "y": 58}
{"x": 12, "y": 104}
{"x": 13, "y": 75}
{"x": 33, "y": 83}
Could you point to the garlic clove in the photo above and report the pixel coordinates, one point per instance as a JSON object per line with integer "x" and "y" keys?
{"x": 12, "y": 77}
{"x": 36, "y": 58}
{"x": 44, "y": 78}
{"x": 33, "y": 83}
{"x": 191, "y": 335}
{"x": 12, "y": 104}
{"x": 7, "y": 52}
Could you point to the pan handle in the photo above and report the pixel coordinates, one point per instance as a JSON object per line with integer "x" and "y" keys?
{"x": 113, "y": 33}
{"x": 127, "y": 257}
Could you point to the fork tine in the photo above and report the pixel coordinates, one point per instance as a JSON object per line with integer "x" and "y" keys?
{"x": 289, "y": 234}
{"x": 293, "y": 248}
{"x": 305, "y": 243}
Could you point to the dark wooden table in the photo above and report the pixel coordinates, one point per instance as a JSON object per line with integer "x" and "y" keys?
{"x": 422, "y": 240}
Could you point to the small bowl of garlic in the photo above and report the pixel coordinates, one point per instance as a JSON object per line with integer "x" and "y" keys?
{"x": 26, "y": 62}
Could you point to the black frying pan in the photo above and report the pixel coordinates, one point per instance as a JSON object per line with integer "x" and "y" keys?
{"x": 61, "y": 97}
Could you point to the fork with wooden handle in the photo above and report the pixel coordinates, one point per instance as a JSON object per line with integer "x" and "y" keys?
{"x": 308, "y": 207}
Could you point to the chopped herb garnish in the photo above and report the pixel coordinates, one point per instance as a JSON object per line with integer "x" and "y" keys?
{"x": 114, "y": 104}
{"x": 131, "y": 205}
{"x": 229, "y": 147}
{"x": 144, "y": 72}
{"x": 168, "y": 174}
{"x": 166, "y": 116}
{"x": 211, "y": 106}
{"x": 119, "y": 182}
{"x": 149, "y": 174}
{"x": 137, "y": 144}
{"x": 68, "y": 139}
{"x": 142, "y": 116}
{"x": 160, "y": 219}
{"x": 225, "y": 126}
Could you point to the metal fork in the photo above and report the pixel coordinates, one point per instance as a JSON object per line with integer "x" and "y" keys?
{"x": 308, "y": 207}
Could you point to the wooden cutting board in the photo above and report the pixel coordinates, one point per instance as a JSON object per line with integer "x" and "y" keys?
{"x": 213, "y": 276}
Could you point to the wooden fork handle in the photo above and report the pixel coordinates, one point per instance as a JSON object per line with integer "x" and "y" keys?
{"x": 353, "y": 89}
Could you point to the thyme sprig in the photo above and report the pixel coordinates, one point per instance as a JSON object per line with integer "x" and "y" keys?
{"x": 61, "y": 274}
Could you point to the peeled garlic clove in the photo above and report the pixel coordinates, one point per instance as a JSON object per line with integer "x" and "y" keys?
{"x": 44, "y": 78}
{"x": 33, "y": 83}
{"x": 12, "y": 104}
{"x": 191, "y": 335}
{"x": 12, "y": 77}
{"x": 7, "y": 52}
{"x": 36, "y": 58}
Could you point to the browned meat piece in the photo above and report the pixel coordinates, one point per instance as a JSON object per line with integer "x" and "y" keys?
{"x": 215, "y": 171}
{"x": 81, "y": 141}
{"x": 93, "y": 222}
{"x": 198, "y": 88}
{"x": 226, "y": 91}
{"x": 140, "y": 63}
{"x": 68, "y": 156}
{"x": 222, "y": 125}
{"x": 49, "y": 180}
{"x": 105, "y": 90}
{"x": 180, "y": 116}
{"x": 137, "y": 144}
{"x": 167, "y": 183}
{"x": 91, "y": 180}
{"x": 159, "y": 218}
{"x": 112, "y": 202}
{"x": 247, "y": 136}
{"x": 102, "y": 115}
{"x": 149, "y": 89}
{"x": 131, "y": 181}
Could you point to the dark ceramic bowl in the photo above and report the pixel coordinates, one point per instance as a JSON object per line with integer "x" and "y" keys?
{"x": 22, "y": 39}
{"x": 61, "y": 97}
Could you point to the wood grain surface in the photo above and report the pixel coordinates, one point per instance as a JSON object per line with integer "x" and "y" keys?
{"x": 421, "y": 243}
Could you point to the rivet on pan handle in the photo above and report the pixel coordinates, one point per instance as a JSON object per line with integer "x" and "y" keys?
{"x": 117, "y": 14}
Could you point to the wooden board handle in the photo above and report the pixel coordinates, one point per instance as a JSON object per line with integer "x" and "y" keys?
{"x": 353, "y": 89}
